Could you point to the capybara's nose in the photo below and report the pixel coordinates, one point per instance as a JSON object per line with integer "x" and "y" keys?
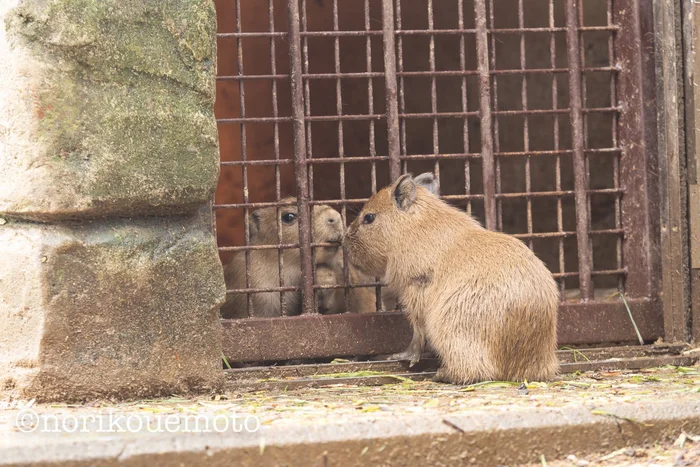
{"x": 333, "y": 217}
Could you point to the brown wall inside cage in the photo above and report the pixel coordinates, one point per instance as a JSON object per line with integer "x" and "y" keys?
{"x": 419, "y": 136}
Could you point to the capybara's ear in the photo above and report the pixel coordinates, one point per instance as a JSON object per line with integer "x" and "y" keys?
{"x": 428, "y": 181}
{"x": 404, "y": 191}
{"x": 254, "y": 224}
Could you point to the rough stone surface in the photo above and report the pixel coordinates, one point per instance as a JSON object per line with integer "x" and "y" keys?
{"x": 106, "y": 107}
{"x": 110, "y": 309}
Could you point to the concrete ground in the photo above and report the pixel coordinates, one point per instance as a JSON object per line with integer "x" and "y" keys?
{"x": 593, "y": 418}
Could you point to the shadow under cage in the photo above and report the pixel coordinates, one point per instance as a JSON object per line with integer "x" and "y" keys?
{"x": 536, "y": 117}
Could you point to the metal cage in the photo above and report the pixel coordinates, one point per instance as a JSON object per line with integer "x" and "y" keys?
{"x": 539, "y": 122}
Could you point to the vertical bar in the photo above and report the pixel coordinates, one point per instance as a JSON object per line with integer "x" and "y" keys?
{"x": 392, "y": 107}
{"x": 244, "y": 156}
{"x": 341, "y": 145}
{"x": 580, "y": 182}
{"x": 433, "y": 94}
{"x": 555, "y": 131}
{"x": 309, "y": 137}
{"x": 615, "y": 144}
{"x": 526, "y": 122}
{"x": 372, "y": 144}
{"x": 637, "y": 137}
{"x": 300, "y": 162}
{"x": 276, "y": 141}
{"x": 402, "y": 87}
{"x": 465, "y": 141}
{"x": 482, "y": 50}
{"x": 496, "y": 119}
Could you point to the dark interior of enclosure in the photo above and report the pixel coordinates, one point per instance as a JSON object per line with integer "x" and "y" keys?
{"x": 543, "y": 162}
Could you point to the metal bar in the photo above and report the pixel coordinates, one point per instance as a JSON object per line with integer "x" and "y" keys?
{"x": 540, "y": 235}
{"x": 433, "y": 93}
{"x": 406, "y": 32}
{"x": 392, "y": 108}
{"x": 317, "y": 336}
{"x": 244, "y": 156}
{"x": 577, "y": 139}
{"x": 372, "y": 74}
{"x": 482, "y": 50}
{"x": 276, "y": 151}
{"x": 637, "y": 137}
{"x": 526, "y": 122}
{"x": 300, "y": 156}
{"x": 495, "y": 112}
{"x": 463, "y": 89}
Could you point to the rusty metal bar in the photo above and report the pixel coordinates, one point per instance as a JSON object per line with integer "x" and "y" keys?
{"x": 300, "y": 156}
{"x": 526, "y": 122}
{"x": 244, "y": 155}
{"x": 555, "y": 132}
{"x": 558, "y": 234}
{"x": 596, "y": 358}
{"x": 463, "y": 89}
{"x": 336, "y": 118}
{"x": 392, "y": 108}
{"x": 433, "y": 93}
{"x": 372, "y": 150}
{"x": 316, "y": 336}
{"x": 482, "y": 50}
{"x": 276, "y": 152}
{"x": 407, "y": 32}
{"x": 577, "y": 139}
{"x": 372, "y": 74}
{"x": 495, "y": 112}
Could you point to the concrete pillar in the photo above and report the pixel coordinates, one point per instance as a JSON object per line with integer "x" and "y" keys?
{"x": 110, "y": 282}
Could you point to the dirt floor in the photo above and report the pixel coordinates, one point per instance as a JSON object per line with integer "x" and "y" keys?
{"x": 345, "y": 403}
{"x": 339, "y": 402}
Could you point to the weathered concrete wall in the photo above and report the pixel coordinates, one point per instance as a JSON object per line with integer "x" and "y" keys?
{"x": 106, "y": 107}
{"x": 106, "y": 121}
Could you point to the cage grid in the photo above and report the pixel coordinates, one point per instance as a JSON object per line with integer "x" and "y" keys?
{"x": 532, "y": 122}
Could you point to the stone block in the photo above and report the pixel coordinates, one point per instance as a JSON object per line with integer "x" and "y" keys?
{"x": 116, "y": 308}
{"x": 106, "y": 107}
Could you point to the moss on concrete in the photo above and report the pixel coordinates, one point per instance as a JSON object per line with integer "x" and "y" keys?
{"x": 122, "y": 95}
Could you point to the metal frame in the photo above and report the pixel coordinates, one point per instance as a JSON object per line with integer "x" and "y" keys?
{"x": 631, "y": 72}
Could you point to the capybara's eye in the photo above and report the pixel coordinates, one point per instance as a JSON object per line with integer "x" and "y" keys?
{"x": 288, "y": 217}
{"x": 369, "y": 218}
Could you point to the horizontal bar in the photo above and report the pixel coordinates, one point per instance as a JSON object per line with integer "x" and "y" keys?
{"x": 409, "y": 32}
{"x": 350, "y": 334}
{"x": 268, "y": 377}
{"x": 297, "y": 289}
{"x": 378, "y": 74}
{"x": 335, "y": 118}
{"x": 458, "y": 156}
{"x": 524, "y": 195}
{"x": 252, "y": 290}
{"x": 599, "y": 356}
{"x": 283, "y": 246}
{"x": 260, "y": 339}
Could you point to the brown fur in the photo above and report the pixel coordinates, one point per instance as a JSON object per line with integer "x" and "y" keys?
{"x": 264, "y": 268}
{"x": 332, "y": 301}
{"x": 482, "y": 299}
